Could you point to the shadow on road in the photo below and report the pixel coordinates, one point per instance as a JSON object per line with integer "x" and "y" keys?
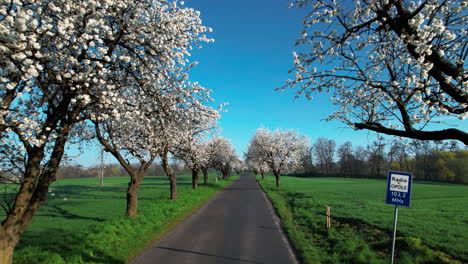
{"x": 210, "y": 255}
{"x": 269, "y": 227}
{"x": 241, "y": 189}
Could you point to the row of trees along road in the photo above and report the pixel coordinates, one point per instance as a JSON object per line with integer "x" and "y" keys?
{"x": 391, "y": 66}
{"x": 114, "y": 70}
{"x": 180, "y": 167}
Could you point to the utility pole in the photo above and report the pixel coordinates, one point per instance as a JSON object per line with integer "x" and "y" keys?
{"x": 101, "y": 171}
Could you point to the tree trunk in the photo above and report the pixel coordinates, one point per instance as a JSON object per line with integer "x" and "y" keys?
{"x": 170, "y": 175}
{"x": 263, "y": 175}
{"x": 277, "y": 177}
{"x": 38, "y": 198}
{"x": 195, "y": 178}
{"x": 173, "y": 181}
{"x": 9, "y": 238}
{"x": 6, "y": 252}
{"x": 226, "y": 171}
{"x": 205, "y": 176}
{"x": 31, "y": 194}
{"x": 132, "y": 195}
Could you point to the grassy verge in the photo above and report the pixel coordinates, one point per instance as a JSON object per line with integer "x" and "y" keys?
{"x": 432, "y": 230}
{"x": 84, "y": 223}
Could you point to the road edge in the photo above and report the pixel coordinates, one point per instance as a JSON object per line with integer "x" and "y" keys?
{"x": 277, "y": 221}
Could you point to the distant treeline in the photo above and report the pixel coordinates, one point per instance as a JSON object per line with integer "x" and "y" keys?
{"x": 115, "y": 170}
{"x": 426, "y": 160}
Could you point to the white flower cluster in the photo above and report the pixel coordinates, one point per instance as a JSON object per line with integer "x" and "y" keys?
{"x": 221, "y": 154}
{"x": 280, "y": 150}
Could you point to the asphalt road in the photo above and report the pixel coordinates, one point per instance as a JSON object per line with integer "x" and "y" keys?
{"x": 237, "y": 226}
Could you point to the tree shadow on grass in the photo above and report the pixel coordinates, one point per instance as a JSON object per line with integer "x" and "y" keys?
{"x": 56, "y": 243}
{"x": 164, "y": 184}
{"x": 97, "y": 192}
{"x": 83, "y": 191}
{"x": 62, "y": 213}
{"x": 211, "y": 186}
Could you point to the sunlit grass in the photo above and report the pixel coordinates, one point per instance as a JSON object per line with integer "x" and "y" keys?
{"x": 434, "y": 229}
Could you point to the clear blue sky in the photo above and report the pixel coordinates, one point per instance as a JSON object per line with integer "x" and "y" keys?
{"x": 251, "y": 57}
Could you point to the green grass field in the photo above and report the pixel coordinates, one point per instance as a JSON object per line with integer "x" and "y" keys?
{"x": 433, "y": 230}
{"x": 82, "y": 222}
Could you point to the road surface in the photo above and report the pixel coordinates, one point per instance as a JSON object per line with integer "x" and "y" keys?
{"x": 237, "y": 226}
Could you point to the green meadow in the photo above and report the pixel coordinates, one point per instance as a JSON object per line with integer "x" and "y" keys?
{"x": 82, "y": 222}
{"x": 434, "y": 229}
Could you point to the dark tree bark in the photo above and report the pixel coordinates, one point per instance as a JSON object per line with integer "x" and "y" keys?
{"x": 205, "y": 176}
{"x": 277, "y": 178}
{"x": 195, "y": 174}
{"x": 170, "y": 175}
{"x": 226, "y": 171}
{"x": 173, "y": 188}
{"x": 132, "y": 196}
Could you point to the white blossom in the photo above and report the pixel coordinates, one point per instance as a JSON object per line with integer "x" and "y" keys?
{"x": 383, "y": 73}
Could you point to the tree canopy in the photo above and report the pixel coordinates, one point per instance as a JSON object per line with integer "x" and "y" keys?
{"x": 391, "y": 66}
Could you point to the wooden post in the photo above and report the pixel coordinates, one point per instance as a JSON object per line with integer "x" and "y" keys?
{"x": 328, "y": 218}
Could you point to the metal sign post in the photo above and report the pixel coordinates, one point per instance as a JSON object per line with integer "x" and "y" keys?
{"x": 395, "y": 219}
{"x": 398, "y": 193}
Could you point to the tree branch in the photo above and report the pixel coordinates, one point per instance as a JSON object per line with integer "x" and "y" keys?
{"x": 444, "y": 134}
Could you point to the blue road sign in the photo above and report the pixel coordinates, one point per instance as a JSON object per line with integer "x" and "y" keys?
{"x": 399, "y": 188}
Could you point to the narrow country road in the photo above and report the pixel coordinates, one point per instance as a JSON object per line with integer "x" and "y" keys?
{"x": 236, "y": 226}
